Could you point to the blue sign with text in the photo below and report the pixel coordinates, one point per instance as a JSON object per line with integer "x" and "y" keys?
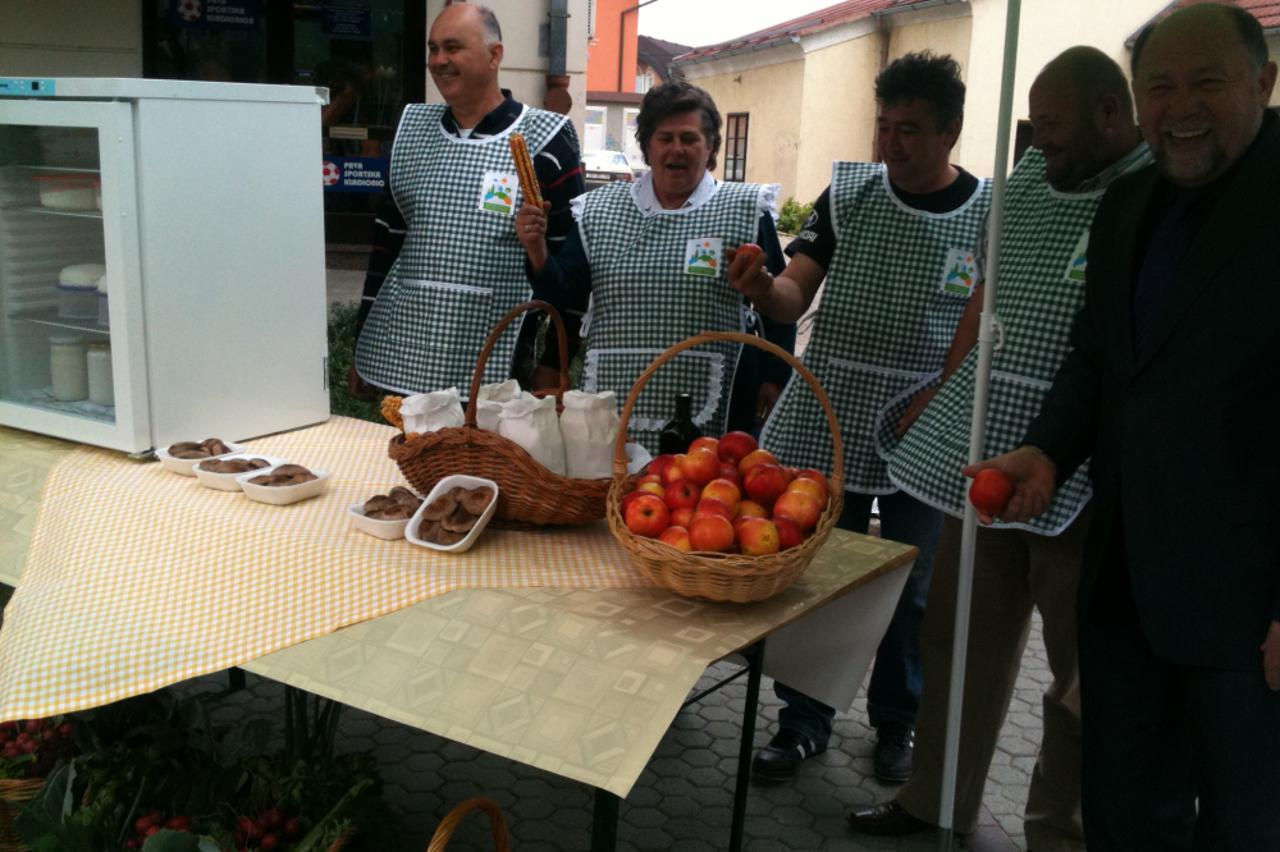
{"x": 356, "y": 174}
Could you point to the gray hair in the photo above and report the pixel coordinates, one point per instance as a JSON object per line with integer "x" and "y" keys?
{"x": 492, "y": 29}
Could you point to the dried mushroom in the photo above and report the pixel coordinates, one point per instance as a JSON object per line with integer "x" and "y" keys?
{"x": 207, "y": 448}
{"x": 233, "y": 465}
{"x": 285, "y": 474}
{"x": 448, "y": 518}
{"x": 399, "y": 505}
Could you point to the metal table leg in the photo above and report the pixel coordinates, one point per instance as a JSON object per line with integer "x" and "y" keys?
{"x": 604, "y": 822}
{"x": 755, "y": 660}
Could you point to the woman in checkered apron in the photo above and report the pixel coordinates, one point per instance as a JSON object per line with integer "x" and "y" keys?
{"x": 650, "y": 256}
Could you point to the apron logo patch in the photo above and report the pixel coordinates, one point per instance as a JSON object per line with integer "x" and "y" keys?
{"x": 960, "y": 274}
{"x": 702, "y": 257}
{"x": 1079, "y": 262}
{"x": 498, "y": 193}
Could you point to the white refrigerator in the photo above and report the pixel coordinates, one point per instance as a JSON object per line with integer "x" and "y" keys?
{"x": 161, "y": 260}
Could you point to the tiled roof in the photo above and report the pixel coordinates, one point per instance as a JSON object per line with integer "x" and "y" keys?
{"x": 822, "y": 19}
{"x": 658, "y": 53}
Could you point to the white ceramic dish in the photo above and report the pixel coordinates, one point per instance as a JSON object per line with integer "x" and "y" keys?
{"x": 387, "y": 530}
{"x": 411, "y": 530}
{"x": 227, "y": 481}
{"x": 283, "y": 495}
{"x": 186, "y": 467}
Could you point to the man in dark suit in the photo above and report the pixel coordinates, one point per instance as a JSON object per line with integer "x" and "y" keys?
{"x": 1172, "y": 388}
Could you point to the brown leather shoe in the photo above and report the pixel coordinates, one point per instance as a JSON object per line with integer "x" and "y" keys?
{"x": 887, "y": 819}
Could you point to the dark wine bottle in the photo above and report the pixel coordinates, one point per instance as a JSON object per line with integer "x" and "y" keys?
{"x": 680, "y": 431}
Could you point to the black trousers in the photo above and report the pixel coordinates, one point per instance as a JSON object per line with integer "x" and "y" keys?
{"x": 1175, "y": 757}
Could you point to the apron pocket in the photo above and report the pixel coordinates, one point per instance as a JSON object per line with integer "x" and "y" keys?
{"x": 702, "y": 375}
{"x": 439, "y": 328}
{"x": 865, "y": 398}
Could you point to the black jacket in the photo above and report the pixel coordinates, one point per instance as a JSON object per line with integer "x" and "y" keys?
{"x": 1183, "y": 436}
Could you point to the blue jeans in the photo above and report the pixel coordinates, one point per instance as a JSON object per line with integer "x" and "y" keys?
{"x": 894, "y": 693}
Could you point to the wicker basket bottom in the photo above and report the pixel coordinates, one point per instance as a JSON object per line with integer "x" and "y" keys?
{"x": 14, "y": 792}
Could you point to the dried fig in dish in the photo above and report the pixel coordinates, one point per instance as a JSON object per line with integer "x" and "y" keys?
{"x": 461, "y": 521}
{"x": 477, "y": 500}
{"x": 440, "y": 508}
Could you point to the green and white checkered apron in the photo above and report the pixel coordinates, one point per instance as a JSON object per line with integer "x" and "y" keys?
{"x": 461, "y": 267}
{"x": 1040, "y": 291}
{"x": 895, "y": 290}
{"x": 657, "y": 279}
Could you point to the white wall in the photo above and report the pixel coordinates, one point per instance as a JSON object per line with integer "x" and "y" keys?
{"x": 1048, "y": 27}
{"x": 71, "y": 38}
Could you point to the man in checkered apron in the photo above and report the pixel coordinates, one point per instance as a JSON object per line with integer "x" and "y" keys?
{"x": 895, "y": 242}
{"x": 460, "y": 267}
{"x": 1084, "y": 139}
{"x": 650, "y": 256}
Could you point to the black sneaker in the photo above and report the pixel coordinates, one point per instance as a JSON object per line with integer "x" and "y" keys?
{"x": 892, "y": 759}
{"x": 779, "y": 760}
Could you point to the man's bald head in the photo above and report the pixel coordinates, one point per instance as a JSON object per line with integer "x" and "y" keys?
{"x": 1081, "y": 115}
{"x": 1246, "y": 26}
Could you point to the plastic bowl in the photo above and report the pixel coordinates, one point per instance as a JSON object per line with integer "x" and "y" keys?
{"x": 388, "y": 530}
{"x": 411, "y": 530}
{"x": 227, "y": 481}
{"x": 186, "y": 467}
{"x": 282, "y": 495}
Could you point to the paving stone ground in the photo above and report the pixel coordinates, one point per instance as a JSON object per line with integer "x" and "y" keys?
{"x": 684, "y": 798}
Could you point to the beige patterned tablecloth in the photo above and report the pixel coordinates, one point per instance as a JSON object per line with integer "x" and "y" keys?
{"x": 553, "y": 652}
{"x": 25, "y": 462}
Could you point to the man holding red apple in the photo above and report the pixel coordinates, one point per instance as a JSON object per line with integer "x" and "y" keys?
{"x": 1084, "y": 139}
{"x": 895, "y": 243}
{"x": 1169, "y": 389}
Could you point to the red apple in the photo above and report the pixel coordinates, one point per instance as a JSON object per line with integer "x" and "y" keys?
{"x": 991, "y": 491}
{"x": 764, "y": 483}
{"x": 674, "y": 470}
{"x": 700, "y": 465}
{"x": 703, "y": 443}
{"x": 730, "y": 472}
{"x": 659, "y": 464}
{"x": 816, "y": 475}
{"x": 754, "y": 458}
{"x": 711, "y": 532}
{"x": 649, "y": 477}
{"x": 682, "y": 494}
{"x": 723, "y": 490}
{"x": 677, "y": 537}
{"x": 789, "y": 534}
{"x": 735, "y": 446}
{"x": 712, "y": 507}
{"x": 682, "y": 518}
{"x": 628, "y": 499}
{"x": 653, "y": 488}
{"x": 816, "y": 490}
{"x": 750, "y": 509}
{"x": 648, "y": 516}
{"x": 799, "y": 507}
{"x": 758, "y": 536}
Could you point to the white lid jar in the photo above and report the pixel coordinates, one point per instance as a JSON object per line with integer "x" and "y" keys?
{"x": 68, "y": 368}
{"x": 101, "y": 388}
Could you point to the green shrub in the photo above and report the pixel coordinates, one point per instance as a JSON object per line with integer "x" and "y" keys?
{"x": 793, "y": 216}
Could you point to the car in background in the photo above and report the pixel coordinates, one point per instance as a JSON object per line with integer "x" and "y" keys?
{"x": 601, "y": 167}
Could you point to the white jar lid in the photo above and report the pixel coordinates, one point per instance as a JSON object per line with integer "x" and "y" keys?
{"x": 81, "y": 276}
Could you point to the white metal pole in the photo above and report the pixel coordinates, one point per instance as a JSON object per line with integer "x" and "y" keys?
{"x": 978, "y": 431}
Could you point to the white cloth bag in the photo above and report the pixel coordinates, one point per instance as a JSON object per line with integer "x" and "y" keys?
{"x": 489, "y": 402}
{"x": 532, "y": 424}
{"x": 589, "y": 425}
{"x": 427, "y": 412}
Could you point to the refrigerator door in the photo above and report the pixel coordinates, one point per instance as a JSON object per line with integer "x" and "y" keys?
{"x": 71, "y": 337}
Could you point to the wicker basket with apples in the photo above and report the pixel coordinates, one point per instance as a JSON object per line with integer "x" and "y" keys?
{"x": 725, "y": 520}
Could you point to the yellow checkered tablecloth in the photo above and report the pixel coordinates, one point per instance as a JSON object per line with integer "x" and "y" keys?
{"x": 137, "y": 578}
